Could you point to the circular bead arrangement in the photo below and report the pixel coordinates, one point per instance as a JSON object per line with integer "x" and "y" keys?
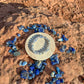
{"x": 38, "y": 66}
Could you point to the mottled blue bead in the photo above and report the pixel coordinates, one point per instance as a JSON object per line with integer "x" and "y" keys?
{"x": 50, "y": 82}
{"x": 42, "y": 68}
{"x": 25, "y": 30}
{"x": 68, "y": 51}
{"x": 61, "y": 50}
{"x": 48, "y": 29}
{"x": 53, "y": 63}
{"x": 61, "y": 80}
{"x": 44, "y": 63}
{"x": 58, "y": 82}
{"x": 39, "y": 25}
{"x": 58, "y": 75}
{"x": 45, "y": 27}
{"x": 18, "y": 35}
{"x": 33, "y": 75}
{"x": 33, "y": 26}
{"x": 40, "y": 30}
{"x": 57, "y": 70}
{"x": 24, "y": 74}
{"x": 30, "y": 77}
{"x": 53, "y": 74}
{"x": 8, "y": 42}
{"x": 57, "y": 34}
{"x": 73, "y": 50}
{"x": 65, "y": 39}
{"x": 29, "y": 64}
{"x": 39, "y": 65}
{"x": 21, "y": 27}
{"x": 37, "y": 71}
{"x": 14, "y": 40}
{"x": 54, "y": 32}
{"x": 22, "y": 63}
{"x": 16, "y": 53}
{"x": 32, "y": 68}
{"x": 10, "y": 45}
{"x": 54, "y": 79}
{"x": 36, "y": 30}
{"x": 61, "y": 39}
{"x": 10, "y": 51}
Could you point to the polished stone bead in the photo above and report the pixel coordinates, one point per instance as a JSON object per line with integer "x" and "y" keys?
{"x": 25, "y": 30}
{"x": 54, "y": 79}
{"x": 33, "y": 26}
{"x": 10, "y": 51}
{"x": 32, "y": 67}
{"x": 33, "y": 75}
{"x": 21, "y": 27}
{"x": 39, "y": 25}
{"x": 18, "y": 35}
{"x": 58, "y": 82}
{"x": 68, "y": 51}
{"x": 42, "y": 68}
{"x": 39, "y": 65}
{"x": 64, "y": 38}
{"x": 16, "y": 53}
{"x": 40, "y": 30}
{"x": 22, "y": 63}
{"x": 61, "y": 80}
{"x": 49, "y": 29}
{"x": 10, "y": 45}
{"x": 14, "y": 40}
{"x": 36, "y": 30}
{"x": 24, "y": 74}
{"x": 8, "y": 42}
{"x": 45, "y": 27}
{"x": 73, "y": 51}
{"x": 29, "y": 64}
{"x": 54, "y": 32}
{"x": 14, "y": 47}
{"x": 53, "y": 74}
{"x": 50, "y": 82}
{"x": 57, "y": 34}
{"x": 61, "y": 39}
{"x": 37, "y": 71}
{"x": 58, "y": 70}
{"x": 58, "y": 75}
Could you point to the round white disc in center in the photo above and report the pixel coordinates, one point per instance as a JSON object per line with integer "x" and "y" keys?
{"x": 39, "y": 43}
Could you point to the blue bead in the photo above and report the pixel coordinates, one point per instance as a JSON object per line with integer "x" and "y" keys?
{"x": 14, "y": 40}
{"x": 58, "y": 75}
{"x": 40, "y": 30}
{"x": 53, "y": 74}
{"x": 50, "y": 82}
{"x": 68, "y": 51}
{"x": 54, "y": 79}
{"x": 42, "y": 68}
{"x": 53, "y": 63}
{"x": 33, "y": 75}
{"x": 48, "y": 29}
{"x": 8, "y": 42}
{"x": 65, "y": 39}
{"x": 39, "y": 65}
{"x": 58, "y": 70}
{"x": 61, "y": 39}
{"x": 61, "y": 72}
{"x": 54, "y": 32}
{"x": 45, "y": 27}
{"x": 57, "y": 34}
{"x": 25, "y": 30}
{"x": 30, "y": 71}
{"x": 61, "y": 50}
{"x": 37, "y": 71}
{"x": 61, "y": 80}
{"x": 16, "y": 53}
{"x": 63, "y": 36}
{"x": 33, "y": 26}
{"x": 22, "y": 63}
{"x": 21, "y": 27}
{"x": 10, "y": 45}
{"x": 10, "y": 51}
{"x": 44, "y": 63}
{"x": 24, "y": 74}
{"x": 29, "y": 64}
{"x": 36, "y": 30}
{"x": 58, "y": 82}
{"x": 39, "y": 25}
{"x": 18, "y": 35}
{"x": 32, "y": 68}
